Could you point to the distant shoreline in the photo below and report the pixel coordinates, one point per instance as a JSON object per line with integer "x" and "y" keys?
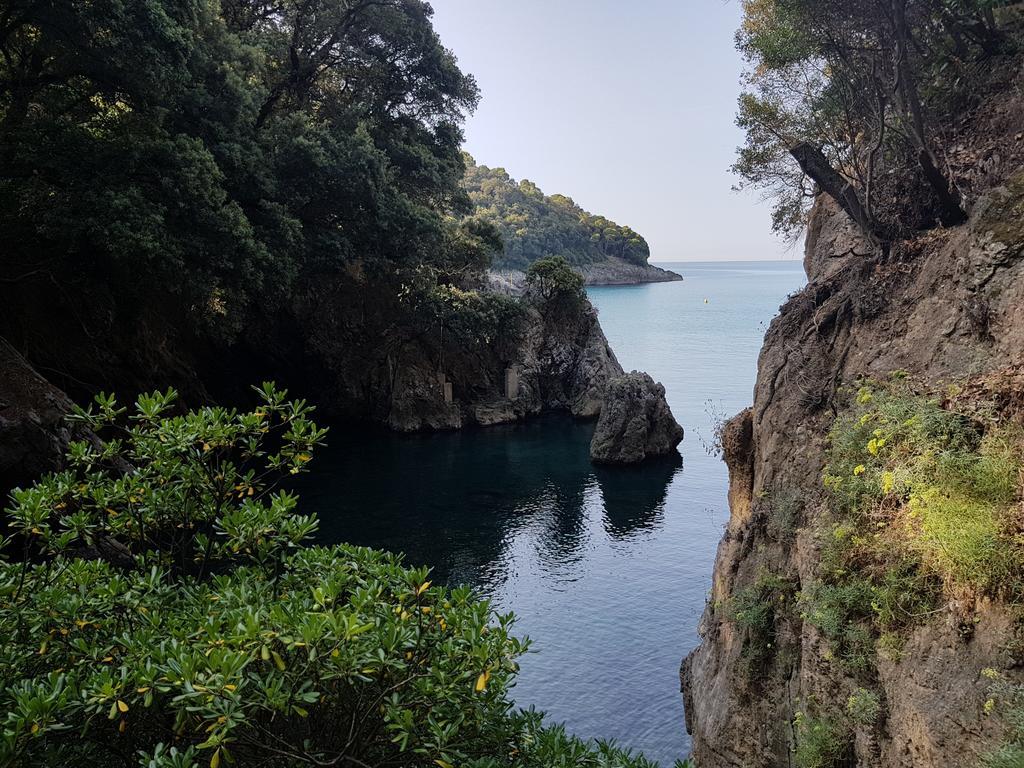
{"x": 602, "y": 273}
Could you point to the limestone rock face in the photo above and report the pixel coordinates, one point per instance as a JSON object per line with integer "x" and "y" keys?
{"x": 560, "y": 363}
{"x": 33, "y": 433}
{"x": 635, "y": 423}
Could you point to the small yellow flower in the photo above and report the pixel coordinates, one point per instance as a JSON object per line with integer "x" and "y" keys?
{"x": 481, "y": 681}
{"x": 859, "y": 470}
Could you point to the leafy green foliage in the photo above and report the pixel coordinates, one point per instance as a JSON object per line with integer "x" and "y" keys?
{"x": 859, "y": 84}
{"x": 945, "y": 484}
{"x": 213, "y": 155}
{"x": 477, "y": 318}
{"x": 536, "y": 226}
{"x": 843, "y": 613}
{"x": 924, "y": 502}
{"x": 785, "y": 507}
{"x": 863, "y": 707}
{"x": 757, "y": 611}
{"x": 163, "y": 613}
{"x": 820, "y": 743}
{"x": 555, "y": 283}
{"x": 202, "y": 488}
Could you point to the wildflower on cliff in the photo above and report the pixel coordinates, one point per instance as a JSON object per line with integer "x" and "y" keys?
{"x": 859, "y": 470}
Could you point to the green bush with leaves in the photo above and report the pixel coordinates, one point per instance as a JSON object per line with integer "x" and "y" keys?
{"x": 477, "y": 319}
{"x": 159, "y": 609}
{"x": 757, "y": 611}
{"x": 820, "y": 743}
{"x": 863, "y": 707}
{"x": 555, "y": 283}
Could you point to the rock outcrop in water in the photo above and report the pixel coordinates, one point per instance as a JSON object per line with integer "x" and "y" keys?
{"x": 557, "y": 363}
{"x": 636, "y": 422}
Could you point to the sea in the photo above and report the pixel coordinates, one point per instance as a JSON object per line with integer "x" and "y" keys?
{"x": 608, "y": 570}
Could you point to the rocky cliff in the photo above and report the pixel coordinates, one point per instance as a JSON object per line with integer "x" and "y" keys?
{"x": 946, "y": 308}
{"x": 361, "y": 356}
{"x": 560, "y": 363}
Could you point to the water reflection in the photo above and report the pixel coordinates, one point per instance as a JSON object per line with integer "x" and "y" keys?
{"x": 461, "y": 502}
{"x": 634, "y": 497}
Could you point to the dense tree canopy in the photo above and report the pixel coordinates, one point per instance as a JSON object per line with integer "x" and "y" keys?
{"x": 845, "y": 97}
{"x": 534, "y": 225}
{"x": 218, "y": 152}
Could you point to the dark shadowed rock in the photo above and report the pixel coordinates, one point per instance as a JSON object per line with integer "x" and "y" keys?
{"x": 33, "y": 433}
{"x": 636, "y": 422}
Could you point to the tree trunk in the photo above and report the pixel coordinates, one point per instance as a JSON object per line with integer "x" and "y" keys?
{"x": 951, "y": 212}
{"x": 835, "y": 185}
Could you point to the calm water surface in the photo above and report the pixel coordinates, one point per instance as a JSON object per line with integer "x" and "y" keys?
{"x": 607, "y": 570}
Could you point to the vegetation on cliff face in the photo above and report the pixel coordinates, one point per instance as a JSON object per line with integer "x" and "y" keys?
{"x": 942, "y": 486}
{"x": 854, "y": 98}
{"x": 924, "y": 501}
{"x": 535, "y": 226}
{"x": 160, "y": 609}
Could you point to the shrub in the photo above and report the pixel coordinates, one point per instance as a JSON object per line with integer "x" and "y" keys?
{"x": 756, "y": 611}
{"x": 820, "y": 743}
{"x": 1007, "y": 700}
{"x": 842, "y": 612}
{"x": 475, "y": 318}
{"x": 936, "y": 481}
{"x": 555, "y": 283}
{"x": 785, "y": 505}
{"x": 163, "y": 612}
{"x": 863, "y": 707}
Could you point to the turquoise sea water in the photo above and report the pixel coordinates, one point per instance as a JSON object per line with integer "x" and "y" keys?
{"x": 608, "y": 570}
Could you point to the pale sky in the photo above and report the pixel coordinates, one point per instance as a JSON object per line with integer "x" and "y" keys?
{"x": 627, "y": 107}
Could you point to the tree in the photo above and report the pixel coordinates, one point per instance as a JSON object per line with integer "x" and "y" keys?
{"x": 208, "y": 159}
{"x": 834, "y": 97}
{"x": 555, "y": 283}
{"x": 535, "y": 226}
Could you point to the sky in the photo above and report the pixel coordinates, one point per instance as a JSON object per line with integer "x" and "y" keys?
{"x": 627, "y": 107}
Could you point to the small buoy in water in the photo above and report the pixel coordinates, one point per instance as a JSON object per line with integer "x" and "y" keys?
{"x": 706, "y": 301}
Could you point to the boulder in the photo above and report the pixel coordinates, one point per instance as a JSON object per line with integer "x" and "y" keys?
{"x": 33, "y": 433}
{"x": 635, "y": 423}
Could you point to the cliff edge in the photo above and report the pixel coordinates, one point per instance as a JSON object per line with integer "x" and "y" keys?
{"x": 944, "y": 309}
